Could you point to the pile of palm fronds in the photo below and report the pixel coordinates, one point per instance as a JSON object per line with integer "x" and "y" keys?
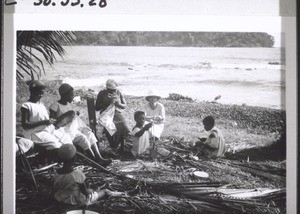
{"x": 157, "y": 197}
{"x": 162, "y": 186}
{"x": 275, "y": 151}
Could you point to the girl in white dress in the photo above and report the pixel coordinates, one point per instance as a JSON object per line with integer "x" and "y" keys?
{"x": 155, "y": 112}
{"x": 69, "y": 121}
{"x": 36, "y": 124}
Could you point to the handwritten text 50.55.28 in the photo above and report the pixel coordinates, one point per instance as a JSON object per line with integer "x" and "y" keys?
{"x": 100, "y": 3}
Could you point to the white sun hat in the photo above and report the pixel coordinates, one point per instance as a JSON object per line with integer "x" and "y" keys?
{"x": 152, "y": 93}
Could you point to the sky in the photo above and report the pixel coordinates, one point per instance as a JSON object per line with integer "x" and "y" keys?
{"x": 277, "y": 38}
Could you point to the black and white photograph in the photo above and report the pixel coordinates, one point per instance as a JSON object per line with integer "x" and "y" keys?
{"x": 155, "y": 122}
{"x": 193, "y": 114}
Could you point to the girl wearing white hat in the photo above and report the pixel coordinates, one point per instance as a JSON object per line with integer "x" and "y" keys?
{"x": 155, "y": 112}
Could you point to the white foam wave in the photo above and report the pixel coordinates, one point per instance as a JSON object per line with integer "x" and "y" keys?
{"x": 88, "y": 82}
{"x": 253, "y": 66}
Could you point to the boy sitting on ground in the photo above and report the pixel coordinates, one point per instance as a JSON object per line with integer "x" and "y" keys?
{"x": 140, "y": 133}
{"x": 214, "y": 144}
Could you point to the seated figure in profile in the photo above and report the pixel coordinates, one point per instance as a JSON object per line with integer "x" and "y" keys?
{"x": 214, "y": 144}
{"x": 68, "y": 120}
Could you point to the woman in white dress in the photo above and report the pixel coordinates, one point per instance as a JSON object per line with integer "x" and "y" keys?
{"x": 155, "y": 112}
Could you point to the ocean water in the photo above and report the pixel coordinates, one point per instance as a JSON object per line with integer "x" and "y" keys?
{"x": 251, "y": 76}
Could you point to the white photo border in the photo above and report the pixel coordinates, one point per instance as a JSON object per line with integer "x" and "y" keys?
{"x": 114, "y": 22}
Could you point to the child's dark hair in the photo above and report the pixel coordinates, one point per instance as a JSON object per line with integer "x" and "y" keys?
{"x": 209, "y": 120}
{"x": 35, "y": 86}
{"x": 64, "y": 89}
{"x": 66, "y": 153}
{"x": 138, "y": 113}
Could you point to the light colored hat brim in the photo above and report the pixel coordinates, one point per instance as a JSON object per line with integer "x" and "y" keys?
{"x": 147, "y": 97}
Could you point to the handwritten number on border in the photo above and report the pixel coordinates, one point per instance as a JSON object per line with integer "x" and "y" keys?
{"x": 10, "y": 3}
{"x": 102, "y": 3}
{"x": 38, "y": 3}
{"x": 92, "y": 2}
{"x": 65, "y": 3}
{"x": 47, "y": 2}
{"x": 76, "y": 3}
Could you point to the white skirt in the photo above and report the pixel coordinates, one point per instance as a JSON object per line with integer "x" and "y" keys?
{"x": 156, "y": 130}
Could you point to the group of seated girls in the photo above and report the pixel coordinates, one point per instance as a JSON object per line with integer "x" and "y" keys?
{"x": 64, "y": 126}
{"x": 64, "y": 132}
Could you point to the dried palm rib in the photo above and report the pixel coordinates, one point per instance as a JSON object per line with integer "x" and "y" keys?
{"x": 261, "y": 173}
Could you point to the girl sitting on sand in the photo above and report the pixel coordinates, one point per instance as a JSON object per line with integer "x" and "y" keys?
{"x": 155, "y": 112}
{"x": 36, "y": 124}
{"x": 69, "y": 184}
{"x": 69, "y": 121}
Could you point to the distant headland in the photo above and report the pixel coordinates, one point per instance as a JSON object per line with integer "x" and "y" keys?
{"x": 174, "y": 39}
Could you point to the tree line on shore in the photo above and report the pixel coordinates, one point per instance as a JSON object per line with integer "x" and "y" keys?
{"x": 174, "y": 39}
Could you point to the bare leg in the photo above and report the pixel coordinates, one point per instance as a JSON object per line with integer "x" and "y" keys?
{"x": 103, "y": 162}
{"x": 111, "y": 139}
{"x": 102, "y": 192}
{"x": 108, "y": 192}
{"x": 97, "y": 152}
{"x": 117, "y": 140}
{"x": 82, "y": 142}
{"x": 121, "y": 142}
{"x": 89, "y": 152}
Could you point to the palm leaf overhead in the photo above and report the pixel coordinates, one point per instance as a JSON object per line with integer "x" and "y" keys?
{"x": 32, "y": 46}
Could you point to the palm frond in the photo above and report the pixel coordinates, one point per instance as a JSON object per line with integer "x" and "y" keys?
{"x": 40, "y": 61}
{"x": 25, "y": 64}
{"x": 33, "y": 46}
